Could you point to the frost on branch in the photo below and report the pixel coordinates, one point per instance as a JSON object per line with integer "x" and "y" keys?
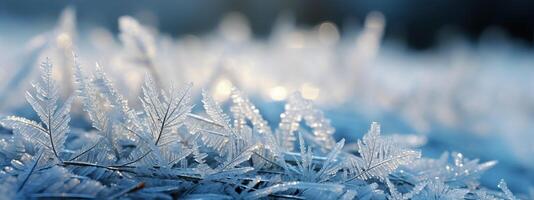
{"x": 164, "y": 151}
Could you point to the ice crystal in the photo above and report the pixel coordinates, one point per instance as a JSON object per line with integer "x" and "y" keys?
{"x": 44, "y": 101}
{"x": 379, "y": 156}
{"x": 296, "y": 110}
{"x": 507, "y": 193}
{"x": 437, "y": 190}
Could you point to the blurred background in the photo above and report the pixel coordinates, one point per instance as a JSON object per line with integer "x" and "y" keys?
{"x": 456, "y": 75}
{"x": 420, "y": 24}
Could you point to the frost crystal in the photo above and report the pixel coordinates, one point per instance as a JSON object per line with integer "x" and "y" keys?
{"x": 379, "y": 156}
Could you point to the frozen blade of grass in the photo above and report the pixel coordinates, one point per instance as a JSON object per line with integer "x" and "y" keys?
{"x": 63, "y": 196}
{"x": 130, "y": 189}
{"x": 293, "y": 185}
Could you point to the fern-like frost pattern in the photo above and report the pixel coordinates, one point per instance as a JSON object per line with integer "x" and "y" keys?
{"x": 165, "y": 151}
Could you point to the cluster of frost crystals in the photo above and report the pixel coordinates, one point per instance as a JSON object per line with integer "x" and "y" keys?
{"x": 459, "y": 90}
{"x": 462, "y": 172}
{"x": 164, "y": 150}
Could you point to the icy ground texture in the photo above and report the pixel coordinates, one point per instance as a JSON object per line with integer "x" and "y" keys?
{"x": 164, "y": 151}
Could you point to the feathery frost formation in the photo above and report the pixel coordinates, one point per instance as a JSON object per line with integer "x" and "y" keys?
{"x": 164, "y": 151}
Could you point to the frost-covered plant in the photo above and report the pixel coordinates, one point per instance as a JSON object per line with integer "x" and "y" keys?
{"x": 164, "y": 151}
